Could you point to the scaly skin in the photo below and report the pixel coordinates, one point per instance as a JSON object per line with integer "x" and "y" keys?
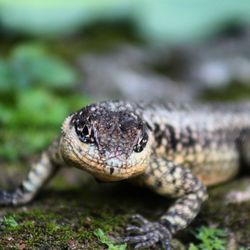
{"x": 175, "y": 150}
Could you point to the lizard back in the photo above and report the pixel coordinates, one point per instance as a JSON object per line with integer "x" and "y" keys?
{"x": 204, "y": 138}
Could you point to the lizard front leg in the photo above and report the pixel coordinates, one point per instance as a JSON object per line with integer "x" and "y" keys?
{"x": 39, "y": 174}
{"x": 172, "y": 180}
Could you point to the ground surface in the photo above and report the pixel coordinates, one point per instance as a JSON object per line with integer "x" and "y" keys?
{"x": 66, "y": 214}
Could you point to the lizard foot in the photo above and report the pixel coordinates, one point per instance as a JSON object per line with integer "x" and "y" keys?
{"x": 145, "y": 233}
{"x": 6, "y": 198}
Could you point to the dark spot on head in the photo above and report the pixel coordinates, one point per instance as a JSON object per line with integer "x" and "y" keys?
{"x": 158, "y": 184}
{"x": 172, "y": 170}
{"x": 111, "y": 170}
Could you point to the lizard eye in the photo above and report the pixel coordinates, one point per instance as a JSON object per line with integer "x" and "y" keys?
{"x": 85, "y": 134}
{"x": 141, "y": 144}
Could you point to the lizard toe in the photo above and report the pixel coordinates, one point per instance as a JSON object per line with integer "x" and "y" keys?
{"x": 147, "y": 234}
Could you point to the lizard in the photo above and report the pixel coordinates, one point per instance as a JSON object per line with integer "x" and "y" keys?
{"x": 175, "y": 150}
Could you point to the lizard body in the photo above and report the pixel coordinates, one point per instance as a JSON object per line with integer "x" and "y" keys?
{"x": 175, "y": 150}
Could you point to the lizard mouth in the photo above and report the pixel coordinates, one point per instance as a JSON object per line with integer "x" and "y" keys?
{"x": 106, "y": 170}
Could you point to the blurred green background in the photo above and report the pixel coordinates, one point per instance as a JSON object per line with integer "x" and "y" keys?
{"x": 42, "y": 43}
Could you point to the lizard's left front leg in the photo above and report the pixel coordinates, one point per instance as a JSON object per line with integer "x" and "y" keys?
{"x": 172, "y": 180}
{"x": 39, "y": 174}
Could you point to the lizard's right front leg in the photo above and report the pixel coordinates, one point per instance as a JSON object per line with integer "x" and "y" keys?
{"x": 38, "y": 175}
{"x": 167, "y": 178}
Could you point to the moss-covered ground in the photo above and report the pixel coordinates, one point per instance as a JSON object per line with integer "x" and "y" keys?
{"x": 67, "y": 213}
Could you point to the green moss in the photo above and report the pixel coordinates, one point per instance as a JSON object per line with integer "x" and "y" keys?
{"x": 59, "y": 225}
{"x": 67, "y": 217}
{"x": 9, "y": 223}
{"x": 210, "y": 239}
{"x": 234, "y": 218}
{"x": 104, "y": 239}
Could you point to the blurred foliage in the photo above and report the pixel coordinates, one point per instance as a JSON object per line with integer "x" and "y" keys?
{"x": 158, "y": 21}
{"x": 177, "y": 21}
{"x": 32, "y": 64}
{"x": 33, "y": 120}
{"x": 62, "y": 16}
{"x": 37, "y": 91}
{"x": 232, "y": 92}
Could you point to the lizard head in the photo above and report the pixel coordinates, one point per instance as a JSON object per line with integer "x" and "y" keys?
{"x": 108, "y": 139}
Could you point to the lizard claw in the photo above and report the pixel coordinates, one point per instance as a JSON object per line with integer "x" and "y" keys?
{"x": 147, "y": 233}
